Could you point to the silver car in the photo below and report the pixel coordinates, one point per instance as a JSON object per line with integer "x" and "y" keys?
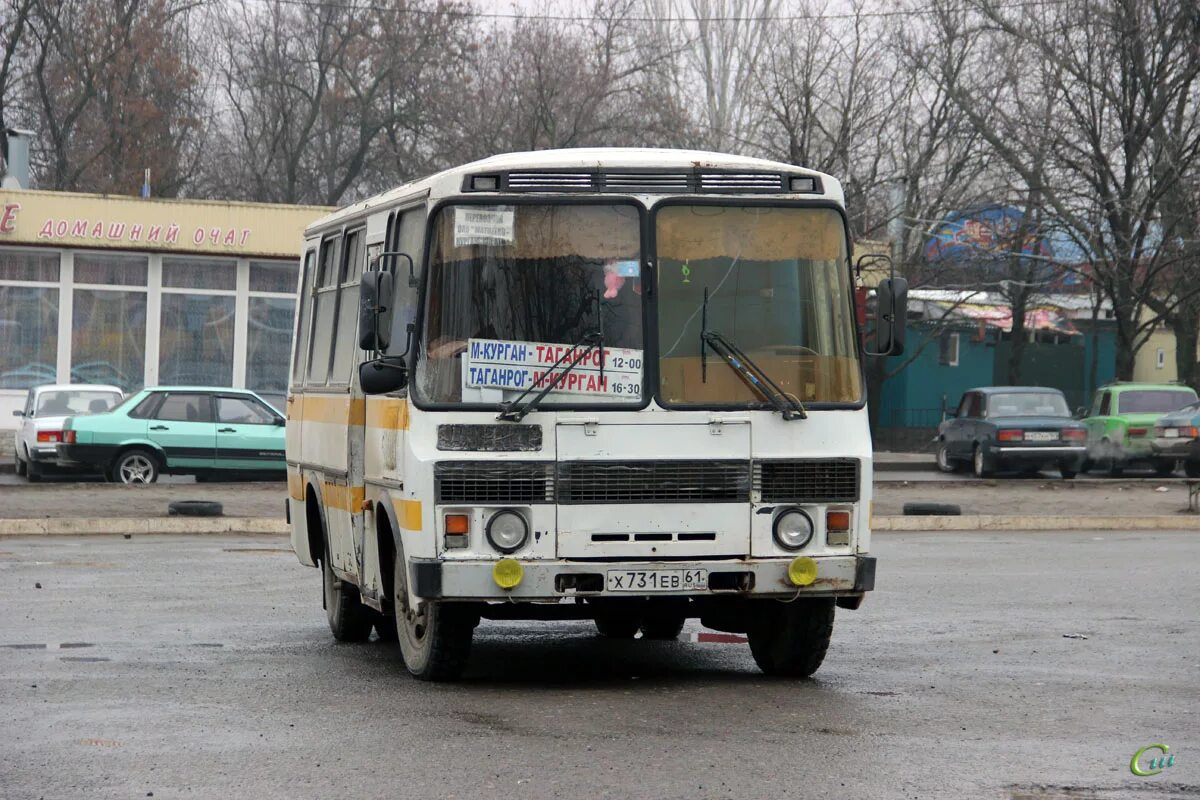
{"x": 46, "y": 408}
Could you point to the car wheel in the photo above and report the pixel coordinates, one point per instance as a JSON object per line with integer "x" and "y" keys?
{"x": 20, "y": 465}
{"x": 135, "y": 467}
{"x": 944, "y": 462}
{"x": 981, "y": 463}
{"x": 1164, "y": 468}
{"x": 1191, "y": 469}
{"x": 33, "y": 471}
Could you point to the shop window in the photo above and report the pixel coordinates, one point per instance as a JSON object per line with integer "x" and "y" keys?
{"x": 108, "y": 338}
{"x": 29, "y": 331}
{"x": 196, "y": 340}
{"x": 269, "y": 344}
{"x": 199, "y": 273}
{"x": 948, "y": 349}
{"x": 273, "y": 276}
{"x": 104, "y": 269}
{"x": 16, "y": 265}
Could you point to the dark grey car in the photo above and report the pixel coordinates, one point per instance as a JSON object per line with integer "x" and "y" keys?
{"x": 1024, "y": 428}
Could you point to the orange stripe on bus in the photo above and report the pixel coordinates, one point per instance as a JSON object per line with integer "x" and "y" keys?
{"x": 295, "y": 484}
{"x": 344, "y": 498}
{"x": 337, "y": 410}
{"x": 409, "y": 513}
{"x": 387, "y": 413}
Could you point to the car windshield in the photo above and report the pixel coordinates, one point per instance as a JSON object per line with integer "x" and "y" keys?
{"x": 75, "y": 402}
{"x": 1028, "y": 404}
{"x": 777, "y": 287}
{"x": 1153, "y": 401}
{"x": 511, "y": 288}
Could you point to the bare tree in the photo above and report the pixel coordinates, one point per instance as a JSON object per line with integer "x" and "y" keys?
{"x": 1121, "y": 68}
{"x": 324, "y": 102}
{"x": 14, "y": 25}
{"x": 116, "y": 93}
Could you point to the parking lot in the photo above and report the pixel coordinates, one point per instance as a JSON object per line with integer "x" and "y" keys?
{"x": 1016, "y": 665}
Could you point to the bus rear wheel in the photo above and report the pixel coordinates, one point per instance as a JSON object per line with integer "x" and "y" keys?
{"x": 435, "y": 640}
{"x": 349, "y": 619}
{"x": 790, "y": 640}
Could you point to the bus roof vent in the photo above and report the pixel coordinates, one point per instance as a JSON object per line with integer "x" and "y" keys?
{"x": 549, "y": 182}
{"x": 721, "y": 182}
{"x": 646, "y": 182}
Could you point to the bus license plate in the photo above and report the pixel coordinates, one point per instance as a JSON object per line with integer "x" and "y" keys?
{"x": 657, "y": 580}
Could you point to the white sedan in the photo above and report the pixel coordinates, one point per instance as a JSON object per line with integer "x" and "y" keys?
{"x": 46, "y": 408}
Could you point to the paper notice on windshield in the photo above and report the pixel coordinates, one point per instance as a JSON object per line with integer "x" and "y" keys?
{"x": 480, "y": 225}
{"x": 516, "y": 366}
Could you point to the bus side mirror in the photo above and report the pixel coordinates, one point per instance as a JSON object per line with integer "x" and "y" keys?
{"x": 891, "y": 316}
{"x": 375, "y": 311}
{"x": 382, "y": 376}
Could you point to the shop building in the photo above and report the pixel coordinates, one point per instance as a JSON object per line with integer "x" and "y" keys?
{"x": 133, "y": 292}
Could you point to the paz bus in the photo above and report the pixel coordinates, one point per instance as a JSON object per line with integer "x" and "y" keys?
{"x": 618, "y": 385}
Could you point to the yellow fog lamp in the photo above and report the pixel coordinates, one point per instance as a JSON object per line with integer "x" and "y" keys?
{"x": 802, "y": 571}
{"x": 508, "y": 572}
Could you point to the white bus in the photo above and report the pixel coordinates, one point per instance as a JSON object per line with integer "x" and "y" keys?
{"x": 620, "y": 385}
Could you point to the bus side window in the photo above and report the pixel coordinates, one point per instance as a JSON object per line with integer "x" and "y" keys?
{"x": 409, "y": 237}
{"x": 324, "y": 305}
{"x": 304, "y": 303}
{"x": 346, "y": 325}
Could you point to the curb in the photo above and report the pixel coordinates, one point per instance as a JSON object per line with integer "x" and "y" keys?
{"x": 74, "y": 526}
{"x": 1016, "y": 522}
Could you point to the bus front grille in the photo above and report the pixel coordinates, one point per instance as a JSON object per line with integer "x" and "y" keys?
{"x": 826, "y": 480}
{"x": 601, "y": 482}
{"x": 494, "y": 482}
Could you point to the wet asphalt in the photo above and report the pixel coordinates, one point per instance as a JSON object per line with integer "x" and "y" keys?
{"x": 201, "y": 667}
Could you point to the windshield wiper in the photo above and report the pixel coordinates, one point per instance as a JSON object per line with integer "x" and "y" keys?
{"x": 788, "y": 405}
{"x": 515, "y": 411}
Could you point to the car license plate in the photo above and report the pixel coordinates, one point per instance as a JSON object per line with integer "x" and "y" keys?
{"x": 657, "y": 580}
{"x": 1041, "y": 436}
{"x": 1171, "y": 433}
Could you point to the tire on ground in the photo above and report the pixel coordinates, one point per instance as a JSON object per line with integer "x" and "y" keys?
{"x": 195, "y": 508}
{"x": 618, "y": 624}
{"x": 663, "y": 626}
{"x": 932, "y": 509}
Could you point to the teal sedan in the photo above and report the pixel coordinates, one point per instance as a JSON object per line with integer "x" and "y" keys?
{"x": 178, "y": 430}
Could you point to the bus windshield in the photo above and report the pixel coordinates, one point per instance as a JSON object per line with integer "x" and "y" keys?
{"x": 777, "y": 287}
{"x": 512, "y": 287}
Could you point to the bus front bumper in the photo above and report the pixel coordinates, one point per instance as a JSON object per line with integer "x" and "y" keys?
{"x": 555, "y": 580}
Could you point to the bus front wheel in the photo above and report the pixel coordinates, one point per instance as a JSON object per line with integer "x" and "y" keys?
{"x": 435, "y": 639}
{"x": 790, "y": 639}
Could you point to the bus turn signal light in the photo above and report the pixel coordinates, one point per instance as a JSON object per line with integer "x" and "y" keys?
{"x": 458, "y": 523}
{"x": 837, "y": 521}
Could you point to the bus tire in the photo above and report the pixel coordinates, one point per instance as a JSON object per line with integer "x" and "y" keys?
{"x": 349, "y": 619}
{"x": 664, "y": 627}
{"x": 436, "y": 642}
{"x": 617, "y": 624}
{"x": 791, "y": 640}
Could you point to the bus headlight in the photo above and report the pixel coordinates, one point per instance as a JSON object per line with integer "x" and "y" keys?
{"x": 793, "y": 529}
{"x": 507, "y": 531}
